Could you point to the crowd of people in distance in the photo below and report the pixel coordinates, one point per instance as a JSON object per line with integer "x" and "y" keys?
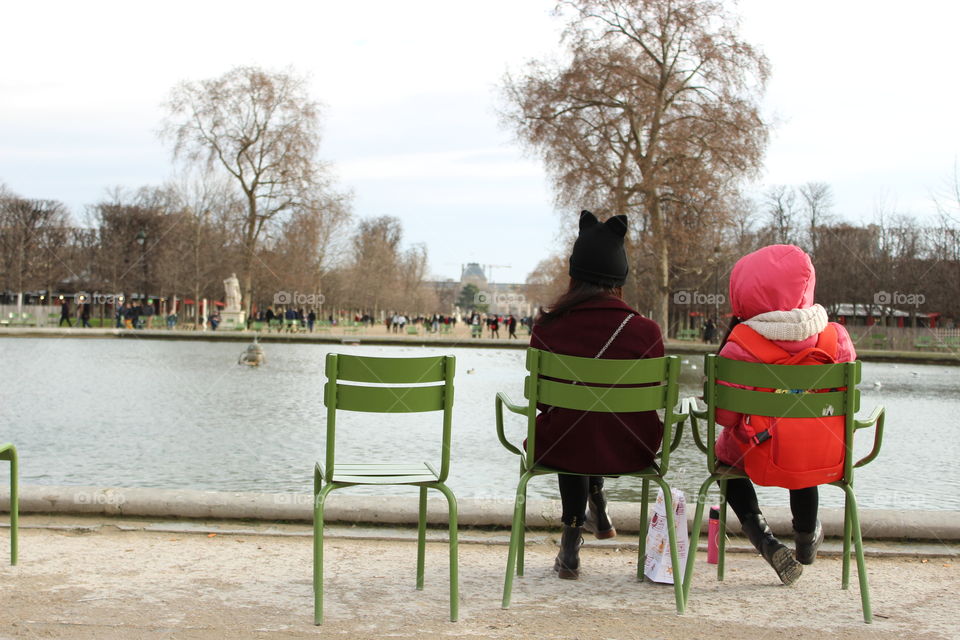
{"x": 493, "y": 322}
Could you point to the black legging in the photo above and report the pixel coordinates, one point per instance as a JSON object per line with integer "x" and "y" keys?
{"x": 574, "y": 491}
{"x": 742, "y": 498}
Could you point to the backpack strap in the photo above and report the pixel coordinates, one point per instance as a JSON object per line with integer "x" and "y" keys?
{"x": 829, "y": 341}
{"x": 756, "y": 345}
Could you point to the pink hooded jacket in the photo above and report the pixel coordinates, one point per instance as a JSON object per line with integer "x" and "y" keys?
{"x": 779, "y": 277}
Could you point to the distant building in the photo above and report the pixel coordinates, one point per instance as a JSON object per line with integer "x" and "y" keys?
{"x": 499, "y": 297}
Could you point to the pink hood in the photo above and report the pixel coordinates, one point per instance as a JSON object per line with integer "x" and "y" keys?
{"x": 779, "y": 277}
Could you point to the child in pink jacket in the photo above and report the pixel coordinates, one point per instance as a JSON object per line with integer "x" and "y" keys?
{"x": 771, "y": 290}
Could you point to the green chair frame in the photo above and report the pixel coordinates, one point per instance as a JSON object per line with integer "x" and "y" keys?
{"x": 846, "y": 402}
{"x": 9, "y": 452}
{"x": 561, "y": 381}
{"x": 372, "y": 391}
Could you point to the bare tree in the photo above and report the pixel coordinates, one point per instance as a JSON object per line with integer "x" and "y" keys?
{"x": 31, "y": 239}
{"x": 779, "y": 203}
{"x": 817, "y": 205}
{"x": 264, "y": 130}
{"x": 656, "y": 110}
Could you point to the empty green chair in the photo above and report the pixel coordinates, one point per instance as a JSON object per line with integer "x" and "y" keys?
{"x": 836, "y": 394}
{"x": 365, "y": 384}
{"x": 571, "y": 382}
{"x": 9, "y": 452}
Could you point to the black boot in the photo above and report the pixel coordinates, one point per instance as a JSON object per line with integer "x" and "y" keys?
{"x": 808, "y": 543}
{"x": 598, "y": 518}
{"x": 773, "y": 551}
{"x": 567, "y": 564}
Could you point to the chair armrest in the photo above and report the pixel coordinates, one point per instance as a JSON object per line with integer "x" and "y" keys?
{"x": 502, "y": 401}
{"x": 678, "y": 419}
{"x": 696, "y": 414}
{"x": 876, "y": 418}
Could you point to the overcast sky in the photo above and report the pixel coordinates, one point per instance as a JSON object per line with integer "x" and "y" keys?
{"x": 864, "y": 92}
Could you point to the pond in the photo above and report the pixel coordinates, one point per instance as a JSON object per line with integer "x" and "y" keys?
{"x": 171, "y": 414}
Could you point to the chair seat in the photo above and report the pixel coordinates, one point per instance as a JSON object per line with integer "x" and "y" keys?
{"x": 384, "y": 473}
{"x": 728, "y": 471}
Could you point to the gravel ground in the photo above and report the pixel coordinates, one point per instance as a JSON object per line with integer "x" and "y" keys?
{"x": 107, "y": 582}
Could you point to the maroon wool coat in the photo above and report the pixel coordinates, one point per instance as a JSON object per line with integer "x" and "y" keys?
{"x": 593, "y": 442}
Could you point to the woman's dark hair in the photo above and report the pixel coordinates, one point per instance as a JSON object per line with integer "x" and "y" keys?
{"x": 577, "y": 293}
{"x": 734, "y": 321}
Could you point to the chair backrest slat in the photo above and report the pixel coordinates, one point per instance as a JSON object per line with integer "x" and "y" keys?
{"x": 390, "y": 370}
{"x": 782, "y": 405}
{"x": 781, "y": 376}
{"x": 601, "y": 399}
{"x": 390, "y": 399}
{"x": 600, "y": 370}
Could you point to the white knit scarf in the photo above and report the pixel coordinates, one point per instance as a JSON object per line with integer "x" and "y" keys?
{"x": 796, "y": 324}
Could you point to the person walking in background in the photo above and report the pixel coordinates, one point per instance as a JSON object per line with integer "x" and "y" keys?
{"x": 495, "y": 327}
{"x": 65, "y": 313}
{"x": 119, "y": 314}
{"x": 85, "y": 315}
{"x": 512, "y": 326}
{"x": 771, "y": 293}
{"x": 591, "y": 320}
{"x": 709, "y": 331}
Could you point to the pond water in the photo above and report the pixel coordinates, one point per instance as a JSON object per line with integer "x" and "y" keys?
{"x": 154, "y": 413}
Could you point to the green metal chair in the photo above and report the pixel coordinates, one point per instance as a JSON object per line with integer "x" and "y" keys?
{"x": 561, "y": 381}
{"x": 9, "y": 452}
{"x": 845, "y": 402}
{"x": 372, "y": 389}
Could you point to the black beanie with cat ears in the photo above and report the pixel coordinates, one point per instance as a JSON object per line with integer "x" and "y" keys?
{"x": 598, "y": 255}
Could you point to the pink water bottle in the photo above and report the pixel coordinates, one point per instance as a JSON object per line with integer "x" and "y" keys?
{"x": 713, "y": 535}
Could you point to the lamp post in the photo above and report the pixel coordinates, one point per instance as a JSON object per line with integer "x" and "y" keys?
{"x": 142, "y": 241}
{"x": 716, "y": 285}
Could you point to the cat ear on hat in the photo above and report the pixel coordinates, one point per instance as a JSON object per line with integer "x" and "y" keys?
{"x": 617, "y": 224}
{"x": 587, "y": 219}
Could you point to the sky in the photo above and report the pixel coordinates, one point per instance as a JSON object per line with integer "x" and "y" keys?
{"x": 863, "y": 93}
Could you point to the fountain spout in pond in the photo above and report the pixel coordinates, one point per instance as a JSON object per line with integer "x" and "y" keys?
{"x": 253, "y": 356}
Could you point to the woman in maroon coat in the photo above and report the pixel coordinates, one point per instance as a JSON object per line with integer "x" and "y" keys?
{"x": 592, "y": 320}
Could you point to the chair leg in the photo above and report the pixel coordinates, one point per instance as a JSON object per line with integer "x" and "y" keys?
{"x": 861, "y": 563}
{"x": 642, "y": 550}
{"x": 318, "y": 504}
{"x": 521, "y": 548}
{"x": 421, "y": 537}
{"x": 845, "y": 575}
{"x": 695, "y": 538}
{"x": 672, "y": 537}
{"x": 9, "y": 452}
{"x": 519, "y": 505}
{"x": 454, "y": 553}
{"x": 722, "y": 537}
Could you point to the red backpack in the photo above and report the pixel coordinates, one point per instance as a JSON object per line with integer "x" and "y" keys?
{"x": 793, "y": 453}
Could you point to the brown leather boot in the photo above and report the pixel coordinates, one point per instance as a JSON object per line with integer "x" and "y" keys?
{"x": 567, "y": 564}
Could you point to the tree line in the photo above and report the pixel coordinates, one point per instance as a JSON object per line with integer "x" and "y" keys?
{"x": 183, "y": 238}
{"x": 893, "y": 262}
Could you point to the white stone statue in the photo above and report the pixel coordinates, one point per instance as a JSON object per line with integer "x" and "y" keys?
{"x": 232, "y": 286}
